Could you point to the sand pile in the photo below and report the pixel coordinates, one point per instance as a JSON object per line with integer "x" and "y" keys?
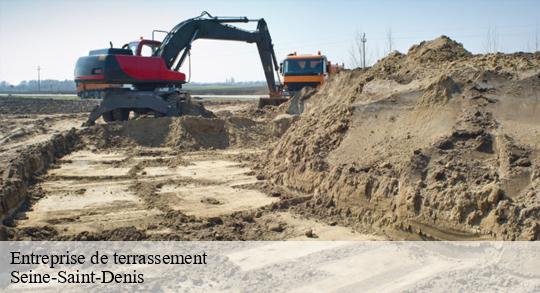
{"x": 436, "y": 142}
{"x": 186, "y": 133}
{"x": 442, "y": 49}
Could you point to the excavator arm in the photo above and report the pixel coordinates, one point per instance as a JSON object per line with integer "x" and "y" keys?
{"x": 177, "y": 44}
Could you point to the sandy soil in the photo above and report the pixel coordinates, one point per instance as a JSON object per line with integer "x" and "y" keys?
{"x": 438, "y": 142}
{"x": 92, "y": 191}
{"x": 162, "y": 179}
{"x": 22, "y": 130}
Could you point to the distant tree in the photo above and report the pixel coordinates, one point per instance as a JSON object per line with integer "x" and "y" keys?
{"x": 536, "y": 38}
{"x": 46, "y": 85}
{"x": 491, "y": 43}
{"x": 389, "y": 40}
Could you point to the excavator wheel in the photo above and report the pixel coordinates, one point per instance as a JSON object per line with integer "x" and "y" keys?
{"x": 120, "y": 114}
{"x": 158, "y": 114}
{"x": 116, "y": 115}
{"x": 108, "y": 117}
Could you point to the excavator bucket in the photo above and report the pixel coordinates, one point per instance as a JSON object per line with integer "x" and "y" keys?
{"x": 274, "y": 101}
{"x": 298, "y": 100}
{"x": 296, "y": 107}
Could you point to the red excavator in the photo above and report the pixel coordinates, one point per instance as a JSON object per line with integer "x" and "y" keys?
{"x": 147, "y": 70}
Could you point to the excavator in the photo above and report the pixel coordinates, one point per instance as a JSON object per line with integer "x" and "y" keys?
{"x": 148, "y": 70}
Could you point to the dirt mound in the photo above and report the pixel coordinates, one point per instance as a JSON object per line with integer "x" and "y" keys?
{"x": 441, "y": 49}
{"x": 196, "y": 109}
{"x": 432, "y": 142}
{"x": 445, "y": 56}
{"x": 15, "y": 105}
{"x": 440, "y": 91}
{"x": 186, "y": 132}
{"x": 194, "y": 133}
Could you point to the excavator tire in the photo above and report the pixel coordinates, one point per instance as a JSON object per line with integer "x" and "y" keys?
{"x": 120, "y": 114}
{"x": 108, "y": 117}
{"x": 158, "y": 114}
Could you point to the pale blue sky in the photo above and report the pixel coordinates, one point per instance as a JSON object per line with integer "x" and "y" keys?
{"x": 54, "y": 34}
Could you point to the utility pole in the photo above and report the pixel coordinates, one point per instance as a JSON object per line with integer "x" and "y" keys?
{"x": 38, "y": 79}
{"x": 363, "y": 40}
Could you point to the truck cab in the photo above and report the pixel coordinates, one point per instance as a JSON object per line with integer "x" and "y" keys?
{"x": 301, "y": 71}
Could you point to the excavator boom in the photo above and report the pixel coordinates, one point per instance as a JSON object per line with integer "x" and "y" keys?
{"x": 177, "y": 44}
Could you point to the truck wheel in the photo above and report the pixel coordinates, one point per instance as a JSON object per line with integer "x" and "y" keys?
{"x": 120, "y": 114}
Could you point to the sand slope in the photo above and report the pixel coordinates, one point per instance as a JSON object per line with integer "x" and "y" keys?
{"x": 437, "y": 142}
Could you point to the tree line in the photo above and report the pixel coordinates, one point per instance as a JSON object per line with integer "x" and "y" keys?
{"x": 68, "y": 86}
{"x": 46, "y": 85}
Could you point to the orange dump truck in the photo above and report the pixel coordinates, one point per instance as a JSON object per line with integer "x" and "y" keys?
{"x": 301, "y": 71}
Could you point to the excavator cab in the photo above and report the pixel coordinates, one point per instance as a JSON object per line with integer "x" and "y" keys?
{"x": 145, "y": 48}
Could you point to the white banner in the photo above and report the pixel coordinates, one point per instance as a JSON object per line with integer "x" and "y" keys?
{"x": 272, "y": 266}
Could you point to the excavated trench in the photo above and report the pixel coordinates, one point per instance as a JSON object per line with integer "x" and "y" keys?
{"x": 180, "y": 178}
